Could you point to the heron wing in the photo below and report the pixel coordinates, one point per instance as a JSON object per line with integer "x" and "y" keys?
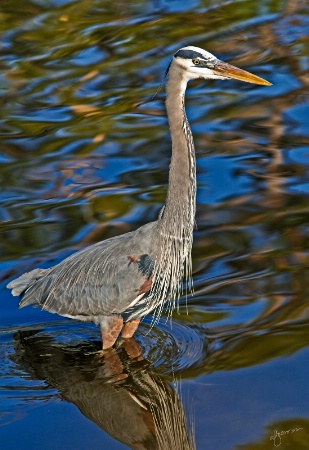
{"x": 99, "y": 280}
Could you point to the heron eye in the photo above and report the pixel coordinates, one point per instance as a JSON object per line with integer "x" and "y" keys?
{"x": 196, "y": 62}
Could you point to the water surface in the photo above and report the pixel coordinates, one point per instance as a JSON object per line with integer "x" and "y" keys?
{"x": 84, "y": 156}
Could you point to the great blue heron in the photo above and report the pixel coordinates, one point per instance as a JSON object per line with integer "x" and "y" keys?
{"x": 116, "y": 282}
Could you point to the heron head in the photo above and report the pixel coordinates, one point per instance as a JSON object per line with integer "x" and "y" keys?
{"x": 198, "y": 63}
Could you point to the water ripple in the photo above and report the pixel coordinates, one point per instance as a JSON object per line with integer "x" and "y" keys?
{"x": 173, "y": 345}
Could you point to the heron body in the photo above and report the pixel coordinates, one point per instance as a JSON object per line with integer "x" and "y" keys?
{"x": 116, "y": 282}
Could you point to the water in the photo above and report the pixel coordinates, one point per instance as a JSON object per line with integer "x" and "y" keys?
{"x": 84, "y": 156}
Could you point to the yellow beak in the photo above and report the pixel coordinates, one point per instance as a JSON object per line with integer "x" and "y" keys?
{"x": 227, "y": 70}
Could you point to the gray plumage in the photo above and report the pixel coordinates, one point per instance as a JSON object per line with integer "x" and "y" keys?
{"x": 77, "y": 285}
{"x": 124, "y": 278}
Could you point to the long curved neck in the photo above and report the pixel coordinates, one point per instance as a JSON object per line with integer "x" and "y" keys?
{"x": 181, "y": 197}
{"x": 173, "y": 259}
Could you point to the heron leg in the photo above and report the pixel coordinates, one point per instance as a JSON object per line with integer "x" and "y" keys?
{"x": 132, "y": 349}
{"x": 110, "y": 330}
{"x": 129, "y": 328}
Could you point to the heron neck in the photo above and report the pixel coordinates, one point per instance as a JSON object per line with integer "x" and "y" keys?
{"x": 173, "y": 258}
{"x": 181, "y": 196}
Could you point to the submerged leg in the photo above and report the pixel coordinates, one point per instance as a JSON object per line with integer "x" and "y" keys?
{"x": 132, "y": 349}
{"x": 129, "y": 328}
{"x": 110, "y": 329}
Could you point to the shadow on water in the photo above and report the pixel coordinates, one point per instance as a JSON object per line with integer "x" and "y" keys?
{"x": 118, "y": 391}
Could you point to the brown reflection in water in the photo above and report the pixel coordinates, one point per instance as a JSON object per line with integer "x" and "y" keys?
{"x": 116, "y": 390}
{"x": 291, "y": 434}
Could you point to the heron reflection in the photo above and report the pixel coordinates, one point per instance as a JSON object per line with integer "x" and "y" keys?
{"x": 120, "y": 391}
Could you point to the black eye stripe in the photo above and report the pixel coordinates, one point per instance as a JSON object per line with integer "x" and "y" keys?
{"x": 188, "y": 54}
{"x": 192, "y": 55}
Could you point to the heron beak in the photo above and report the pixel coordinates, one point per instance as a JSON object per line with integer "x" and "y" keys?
{"x": 227, "y": 70}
